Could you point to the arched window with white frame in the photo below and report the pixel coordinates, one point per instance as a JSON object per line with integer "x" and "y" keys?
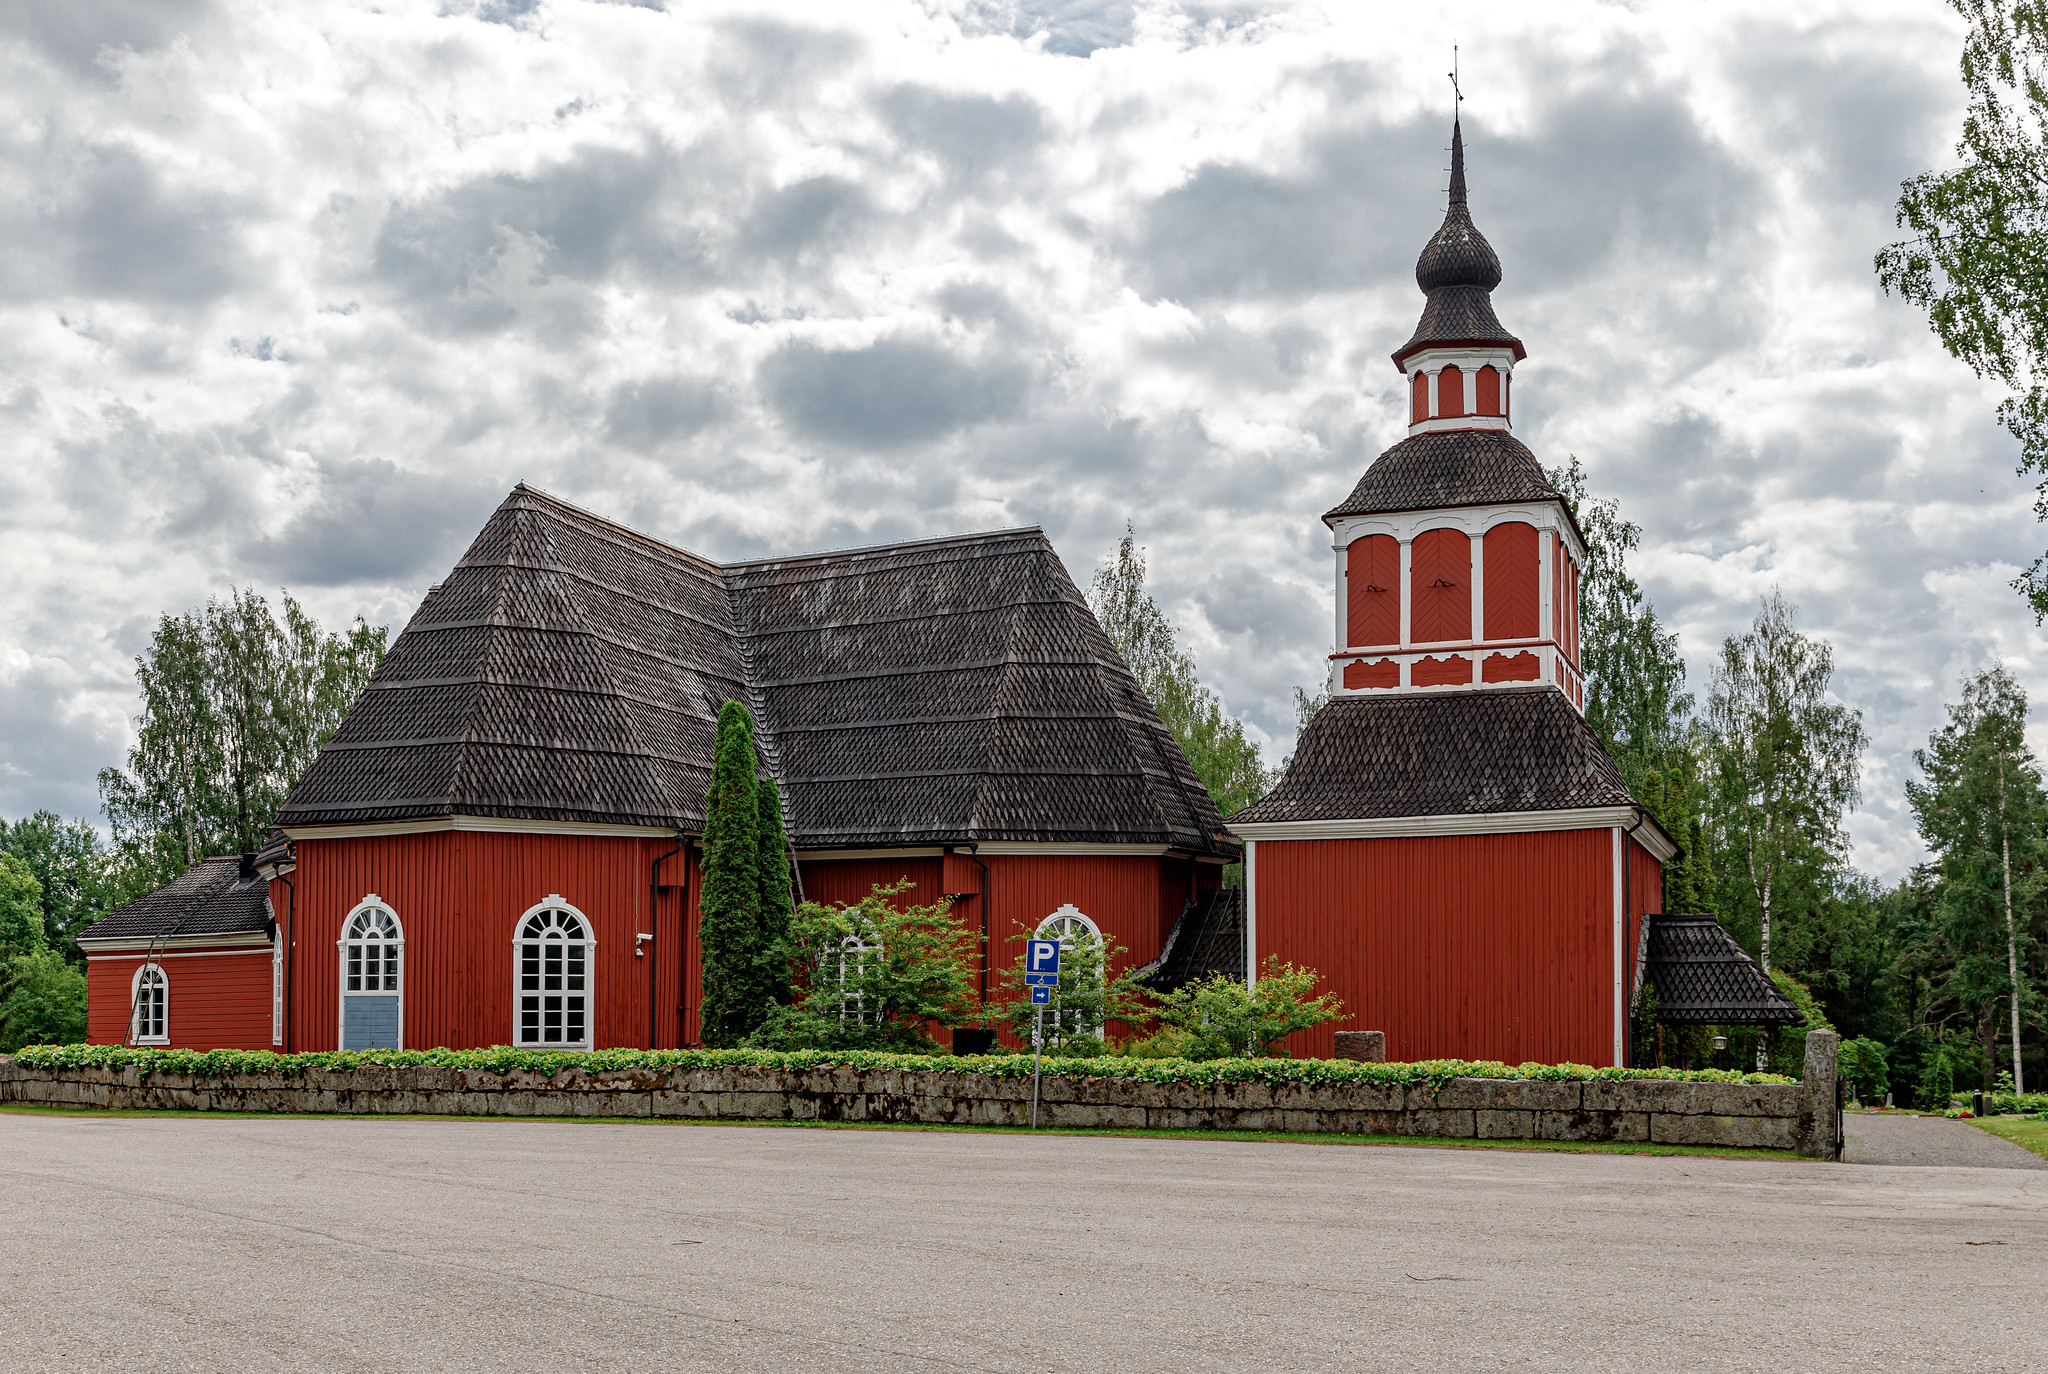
{"x": 860, "y": 952}
{"x": 372, "y": 977}
{"x": 552, "y": 948}
{"x": 1082, "y": 1013}
{"x": 149, "y": 992}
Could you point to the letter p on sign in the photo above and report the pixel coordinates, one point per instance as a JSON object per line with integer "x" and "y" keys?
{"x": 1042, "y": 956}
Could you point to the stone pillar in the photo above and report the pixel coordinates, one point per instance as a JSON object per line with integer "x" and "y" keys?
{"x": 1818, "y": 1122}
{"x": 1368, "y": 1047}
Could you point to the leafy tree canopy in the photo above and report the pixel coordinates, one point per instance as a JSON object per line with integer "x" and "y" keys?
{"x": 1216, "y": 746}
{"x": 71, "y": 864}
{"x": 1977, "y": 255}
{"x": 235, "y": 703}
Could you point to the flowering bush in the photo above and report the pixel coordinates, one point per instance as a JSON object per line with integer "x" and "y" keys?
{"x": 505, "y": 1059}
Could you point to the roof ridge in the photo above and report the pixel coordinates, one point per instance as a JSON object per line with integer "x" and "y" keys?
{"x": 934, "y": 541}
{"x": 605, "y": 525}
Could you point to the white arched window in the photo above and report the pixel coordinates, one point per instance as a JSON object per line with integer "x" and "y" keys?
{"x": 551, "y": 951}
{"x": 1072, "y": 927}
{"x": 372, "y": 978}
{"x": 858, "y": 953}
{"x": 150, "y": 994}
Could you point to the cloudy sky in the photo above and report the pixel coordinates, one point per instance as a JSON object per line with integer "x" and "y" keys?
{"x": 291, "y": 295}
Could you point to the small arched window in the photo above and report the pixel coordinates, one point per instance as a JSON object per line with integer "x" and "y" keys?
{"x": 150, "y": 995}
{"x": 551, "y": 958}
{"x": 859, "y": 955}
{"x": 1450, "y": 392}
{"x": 372, "y": 977}
{"x": 1082, "y": 1005}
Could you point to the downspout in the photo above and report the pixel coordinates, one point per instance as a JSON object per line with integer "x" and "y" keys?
{"x": 291, "y": 928}
{"x": 984, "y": 931}
{"x": 654, "y": 929}
{"x": 683, "y": 953}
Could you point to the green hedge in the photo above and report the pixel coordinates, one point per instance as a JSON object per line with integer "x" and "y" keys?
{"x": 504, "y": 1058}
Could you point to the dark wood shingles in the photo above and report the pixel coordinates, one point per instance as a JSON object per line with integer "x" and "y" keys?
{"x": 941, "y": 691}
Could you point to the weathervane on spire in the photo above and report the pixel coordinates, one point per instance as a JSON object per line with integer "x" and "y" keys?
{"x": 1458, "y": 96}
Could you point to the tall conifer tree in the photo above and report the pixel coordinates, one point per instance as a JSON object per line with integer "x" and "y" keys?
{"x": 729, "y": 924}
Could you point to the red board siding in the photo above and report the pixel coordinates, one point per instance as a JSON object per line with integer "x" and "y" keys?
{"x": 1513, "y": 604}
{"x": 1384, "y": 673}
{"x": 216, "y": 1001}
{"x": 1372, "y": 590}
{"x": 458, "y": 896}
{"x": 1522, "y": 667}
{"x": 1450, "y": 393}
{"x": 1420, "y": 410}
{"x": 1451, "y": 670}
{"x": 1441, "y": 594}
{"x": 1489, "y": 390}
{"x": 1479, "y": 946}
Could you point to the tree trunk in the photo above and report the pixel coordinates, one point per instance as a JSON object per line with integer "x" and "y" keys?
{"x": 2012, "y": 947}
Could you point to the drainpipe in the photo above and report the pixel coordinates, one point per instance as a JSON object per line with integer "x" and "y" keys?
{"x": 984, "y": 931}
{"x": 291, "y": 928}
{"x": 654, "y": 929}
{"x": 683, "y": 952}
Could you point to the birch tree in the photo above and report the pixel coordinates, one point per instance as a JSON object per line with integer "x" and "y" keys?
{"x": 1982, "y": 810}
{"x": 1784, "y": 762}
{"x": 1215, "y": 745}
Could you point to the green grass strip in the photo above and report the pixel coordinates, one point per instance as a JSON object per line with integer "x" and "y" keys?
{"x": 1577, "y": 1147}
{"x": 2025, "y": 1131}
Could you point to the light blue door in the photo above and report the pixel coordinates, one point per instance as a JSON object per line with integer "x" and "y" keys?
{"x": 369, "y": 1023}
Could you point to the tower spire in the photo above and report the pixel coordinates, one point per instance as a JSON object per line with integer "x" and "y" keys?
{"x": 1457, "y": 135}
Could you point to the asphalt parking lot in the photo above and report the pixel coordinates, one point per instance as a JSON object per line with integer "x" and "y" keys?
{"x": 304, "y": 1244}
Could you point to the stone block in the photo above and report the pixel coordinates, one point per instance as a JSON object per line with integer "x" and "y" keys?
{"x": 1503, "y": 1094}
{"x": 1243, "y": 1097}
{"x": 1493, "y": 1123}
{"x": 1585, "y": 1125}
{"x": 1740, "y": 1132}
{"x": 1819, "y": 1122}
{"x": 678, "y": 1103}
{"x": 1455, "y": 1124}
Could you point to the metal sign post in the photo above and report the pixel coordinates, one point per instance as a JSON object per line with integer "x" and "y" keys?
{"x": 1041, "y": 975}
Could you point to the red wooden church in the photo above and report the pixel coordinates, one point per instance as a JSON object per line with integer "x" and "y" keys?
{"x": 500, "y": 845}
{"x": 1452, "y": 847}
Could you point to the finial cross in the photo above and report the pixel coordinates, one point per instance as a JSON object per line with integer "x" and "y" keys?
{"x": 1458, "y": 95}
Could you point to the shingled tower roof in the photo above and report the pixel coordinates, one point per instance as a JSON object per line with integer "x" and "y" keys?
{"x": 948, "y": 690}
{"x": 1457, "y": 271}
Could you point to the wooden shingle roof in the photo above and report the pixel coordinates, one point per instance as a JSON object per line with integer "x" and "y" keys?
{"x": 213, "y": 898}
{"x": 942, "y": 691}
{"x": 1460, "y": 753}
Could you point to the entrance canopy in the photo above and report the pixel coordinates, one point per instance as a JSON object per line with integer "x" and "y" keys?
{"x": 1703, "y": 977}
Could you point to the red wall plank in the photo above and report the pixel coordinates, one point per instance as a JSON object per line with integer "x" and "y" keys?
{"x": 1478, "y": 946}
{"x": 216, "y": 1001}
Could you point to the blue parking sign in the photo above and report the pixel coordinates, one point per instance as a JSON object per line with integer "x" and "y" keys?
{"x": 1041, "y": 964}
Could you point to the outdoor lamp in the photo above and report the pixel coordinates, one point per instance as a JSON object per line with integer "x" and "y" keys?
{"x": 1720, "y": 1044}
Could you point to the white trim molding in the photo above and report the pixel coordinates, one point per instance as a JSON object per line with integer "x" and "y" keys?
{"x": 1620, "y": 924}
{"x": 240, "y": 942}
{"x": 1471, "y": 823}
{"x": 140, "y": 1015}
{"x": 498, "y": 825}
{"x": 175, "y": 954}
{"x": 1022, "y": 847}
{"x": 587, "y": 994}
{"x": 1251, "y": 914}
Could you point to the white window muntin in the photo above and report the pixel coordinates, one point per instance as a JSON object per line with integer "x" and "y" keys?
{"x": 858, "y": 952}
{"x": 149, "y": 993}
{"x": 553, "y": 969}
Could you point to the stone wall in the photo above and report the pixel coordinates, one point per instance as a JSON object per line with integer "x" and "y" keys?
{"x": 1764, "y": 1116}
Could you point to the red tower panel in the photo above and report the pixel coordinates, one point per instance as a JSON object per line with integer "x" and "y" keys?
{"x": 1420, "y": 409}
{"x": 1450, "y": 393}
{"x": 1441, "y": 587}
{"x": 1384, "y": 673}
{"x": 1513, "y": 602}
{"x": 1487, "y": 384}
{"x": 1372, "y": 590}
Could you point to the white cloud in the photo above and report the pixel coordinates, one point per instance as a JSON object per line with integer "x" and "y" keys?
{"x": 294, "y": 294}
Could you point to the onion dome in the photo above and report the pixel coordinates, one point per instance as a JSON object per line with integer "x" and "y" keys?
{"x": 1457, "y": 270}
